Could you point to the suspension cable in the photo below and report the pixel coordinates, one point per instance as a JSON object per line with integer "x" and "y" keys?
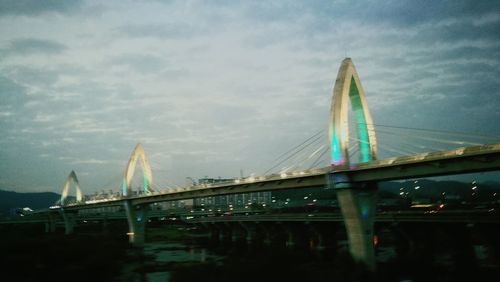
{"x": 460, "y": 133}
{"x": 295, "y": 153}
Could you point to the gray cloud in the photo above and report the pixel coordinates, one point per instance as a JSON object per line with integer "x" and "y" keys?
{"x": 165, "y": 31}
{"x": 11, "y": 93}
{"x": 27, "y": 46}
{"x": 392, "y": 12}
{"x": 141, "y": 63}
{"x": 36, "y": 7}
{"x": 210, "y": 89}
{"x": 30, "y": 75}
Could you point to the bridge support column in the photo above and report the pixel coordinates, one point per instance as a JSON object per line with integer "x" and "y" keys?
{"x": 291, "y": 237}
{"x": 137, "y": 219}
{"x": 234, "y": 237}
{"x": 219, "y": 232}
{"x": 251, "y": 232}
{"x": 50, "y": 225}
{"x": 224, "y": 232}
{"x": 214, "y": 232}
{"x": 232, "y": 231}
{"x": 357, "y": 204}
{"x": 238, "y": 233}
{"x": 320, "y": 245}
{"x": 105, "y": 225}
{"x": 69, "y": 222}
{"x": 316, "y": 237}
{"x": 267, "y": 229}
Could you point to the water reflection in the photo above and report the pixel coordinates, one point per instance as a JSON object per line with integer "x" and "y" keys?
{"x": 177, "y": 252}
{"x": 157, "y": 259}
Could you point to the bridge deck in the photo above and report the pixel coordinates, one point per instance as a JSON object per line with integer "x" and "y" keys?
{"x": 456, "y": 161}
{"x": 449, "y": 216}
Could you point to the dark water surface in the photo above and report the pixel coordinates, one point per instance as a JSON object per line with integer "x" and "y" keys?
{"x": 175, "y": 254}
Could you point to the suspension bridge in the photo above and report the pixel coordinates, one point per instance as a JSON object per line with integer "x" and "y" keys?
{"x": 345, "y": 158}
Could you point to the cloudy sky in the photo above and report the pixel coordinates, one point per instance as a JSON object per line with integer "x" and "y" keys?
{"x": 214, "y": 87}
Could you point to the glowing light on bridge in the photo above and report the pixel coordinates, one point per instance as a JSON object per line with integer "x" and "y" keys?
{"x": 71, "y": 179}
{"x": 137, "y": 153}
{"x": 348, "y": 87}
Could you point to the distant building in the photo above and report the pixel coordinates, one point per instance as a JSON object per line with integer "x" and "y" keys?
{"x": 229, "y": 201}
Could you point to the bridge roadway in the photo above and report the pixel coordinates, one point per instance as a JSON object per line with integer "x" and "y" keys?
{"x": 457, "y": 161}
{"x": 483, "y": 216}
{"x": 443, "y": 216}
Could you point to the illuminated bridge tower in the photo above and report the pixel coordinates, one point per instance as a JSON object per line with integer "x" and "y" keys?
{"x": 136, "y": 214}
{"x": 71, "y": 179}
{"x": 68, "y": 217}
{"x": 137, "y": 153}
{"x": 356, "y": 200}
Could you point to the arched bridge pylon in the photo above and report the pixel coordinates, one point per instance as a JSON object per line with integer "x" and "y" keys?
{"x": 137, "y": 153}
{"x": 348, "y": 87}
{"x": 356, "y": 200}
{"x": 71, "y": 178}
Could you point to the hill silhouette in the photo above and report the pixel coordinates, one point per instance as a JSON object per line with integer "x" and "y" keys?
{"x": 10, "y": 200}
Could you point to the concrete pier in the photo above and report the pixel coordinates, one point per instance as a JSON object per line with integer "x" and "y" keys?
{"x": 137, "y": 220}
{"x": 357, "y": 204}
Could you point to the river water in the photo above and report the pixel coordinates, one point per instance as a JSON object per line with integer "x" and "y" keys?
{"x": 202, "y": 259}
{"x": 159, "y": 258}
{"x": 175, "y": 255}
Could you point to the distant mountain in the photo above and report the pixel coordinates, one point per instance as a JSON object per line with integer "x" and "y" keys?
{"x": 10, "y": 200}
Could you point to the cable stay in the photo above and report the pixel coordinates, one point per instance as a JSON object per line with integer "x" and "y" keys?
{"x": 298, "y": 149}
{"x": 449, "y": 132}
{"x": 297, "y": 146}
{"x": 447, "y": 141}
{"x": 114, "y": 182}
{"x": 320, "y": 158}
{"x": 380, "y": 146}
{"x": 442, "y": 132}
{"x": 420, "y": 143}
{"x": 427, "y": 140}
{"x": 408, "y": 146}
{"x": 461, "y": 143}
{"x": 353, "y": 152}
{"x": 305, "y": 158}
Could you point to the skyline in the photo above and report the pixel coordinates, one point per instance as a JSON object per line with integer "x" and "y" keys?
{"x": 212, "y": 88}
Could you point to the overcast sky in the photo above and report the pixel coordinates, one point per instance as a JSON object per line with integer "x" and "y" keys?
{"x": 212, "y": 87}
